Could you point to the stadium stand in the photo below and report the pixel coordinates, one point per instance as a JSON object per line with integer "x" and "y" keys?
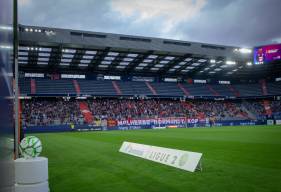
{"x": 131, "y": 88}
{"x": 134, "y": 88}
{"x": 274, "y": 88}
{"x": 104, "y": 88}
{"x": 223, "y": 90}
{"x": 58, "y": 111}
{"x": 58, "y": 87}
{"x": 50, "y": 112}
{"x": 92, "y": 76}
{"x": 167, "y": 89}
{"x": 246, "y": 90}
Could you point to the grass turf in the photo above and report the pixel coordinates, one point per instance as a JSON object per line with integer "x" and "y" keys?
{"x": 234, "y": 159}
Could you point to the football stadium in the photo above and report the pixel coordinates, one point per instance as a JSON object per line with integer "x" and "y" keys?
{"x": 97, "y": 111}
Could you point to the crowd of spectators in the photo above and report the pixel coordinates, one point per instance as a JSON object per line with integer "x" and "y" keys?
{"x": 255, "y": 108}
{"x": 57, "y": 111}
{"x": 123, "y": 109}
{"x": 50, "y": 112}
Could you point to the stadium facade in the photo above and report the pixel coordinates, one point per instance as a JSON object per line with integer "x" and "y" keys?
{"x": 81, "y": 66}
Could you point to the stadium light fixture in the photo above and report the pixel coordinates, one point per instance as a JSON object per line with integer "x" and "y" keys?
{"x": 113, "y": 54}
{"x": 106, "y": 62}
{"x": 132, "y": 55}
{"x": 67, "y": 56}
{"x": 243, "y": 50}
{"x": 128, "y": 59}
{"x": 212, "y": 61}
{"x": 188, "y": 59}
{"x": 23, "y": 58}
{"x": 23, "y": 48}
{"x": 88, "y": 57}
{"x": 139, "y": 68}
{"x": 103, "y": 66}
{"x": 6, "y": 28}
{"x": 154, "y": 69}
{"x": 159, "y": 65}
{"x": 152, "y": 56}
{"x": 230, "y": 62}
{"x": 43, "y": 59}
{"x": 224, "y": 66}
{"x": 83, "y": 65}
{"x": 169, "y": 58}
{"x": 164, "y": 62}
{"x": 195, "y": 64}
{"x": 64, "y": 64}
{"x": 190, "y": 67}
{"x": 120, "y": 67}
{"x": 147, "y": 60}
{"x": 184, "y": 71}
{"x": 124, "y": 63}
{"x": 22, "y": 62}
{"x": 24, "y": 54}
{"x": 85, "y": 61}
{"x": 182, "y": 63}
{"x": 66, "y": 60}
{"x": 88, "y": 52}
{"x": 45, "y": 49}
{"x": 143, "y": 64}
{"x": 249, "y": 63}
{"x": 6, "y": 47}
{"x": 109, "y": 58}
{"x": 42, "y": 63}
{"x": 68, "y": 50}
{"x": 202, "y": 60}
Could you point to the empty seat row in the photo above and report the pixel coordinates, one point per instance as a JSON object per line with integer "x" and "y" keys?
{"x": 108, "y": 88}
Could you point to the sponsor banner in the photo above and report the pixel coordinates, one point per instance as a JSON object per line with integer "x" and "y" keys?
{"x": 100, "y": 126}
{"x": 185, "y": 160}
{"x": 270, "y": 122}
{"x": 278, "y": 122}
{"x": 158, "y": 127}
{"x": 111, "y": 123}
{"x": 157, "y": 121}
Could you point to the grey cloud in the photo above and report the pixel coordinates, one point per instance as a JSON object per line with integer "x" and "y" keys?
{"x": 230, "y": 22}
{"x": 249, "y": 23}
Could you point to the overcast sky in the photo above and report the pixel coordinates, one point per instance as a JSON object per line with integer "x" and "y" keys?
{"x": 227, "y": 22}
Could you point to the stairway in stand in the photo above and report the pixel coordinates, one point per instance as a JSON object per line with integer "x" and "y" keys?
{"x": 87, "y": 114}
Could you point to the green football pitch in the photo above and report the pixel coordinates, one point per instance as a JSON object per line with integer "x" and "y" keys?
{"x": 234, "y": 159}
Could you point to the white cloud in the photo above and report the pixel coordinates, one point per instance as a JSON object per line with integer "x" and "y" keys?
{"x": 170, "y": 12}
{"x": 276, "y": 40}
{"x": 24, "y": 2}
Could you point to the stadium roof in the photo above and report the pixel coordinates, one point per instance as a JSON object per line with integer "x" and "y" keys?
{"x": 53, "y": 49}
